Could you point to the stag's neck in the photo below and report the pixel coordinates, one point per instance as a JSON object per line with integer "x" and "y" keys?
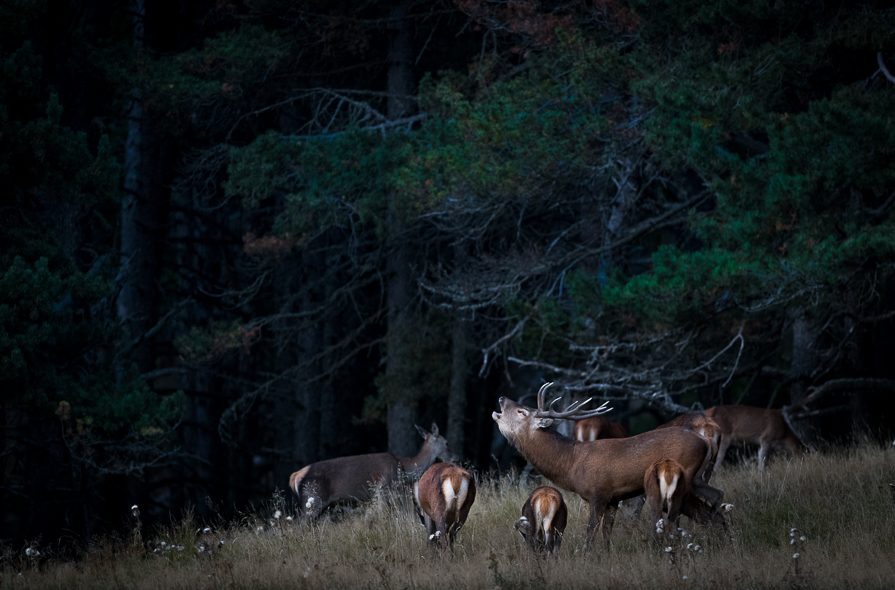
{"x": 422, "y": 461}
{"x": 552, "y": 454}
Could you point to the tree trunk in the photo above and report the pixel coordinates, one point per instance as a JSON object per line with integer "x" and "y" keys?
{"x": 401, "y": 435}
{"x": 805, "y": 331}
{"x": 457, "y": 395}
{"x": 141, "y": 217}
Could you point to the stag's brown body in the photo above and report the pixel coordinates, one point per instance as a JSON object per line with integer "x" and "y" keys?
{"x": 602, "y": 472}
{"x": 598, "y": 428}
{"x": 543, "y": 521}
{"x": 757, "y": 426}
{"x": 666, "y": 486}
{"x": 351, "y": 479}
{"x": 442, "y": 498}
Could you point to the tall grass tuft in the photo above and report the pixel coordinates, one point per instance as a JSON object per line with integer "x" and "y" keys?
{"x": 833, "y": 509}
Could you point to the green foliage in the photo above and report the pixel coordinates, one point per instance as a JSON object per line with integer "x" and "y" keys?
{"x": 55, "y": 356}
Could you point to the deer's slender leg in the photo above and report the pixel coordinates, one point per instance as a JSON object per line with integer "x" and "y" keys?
{"x": 722, "y": 450}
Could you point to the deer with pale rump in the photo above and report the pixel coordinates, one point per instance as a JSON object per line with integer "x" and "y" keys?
{"x": 597, "y": 428}
{"x": 602, "y": 472}
{"x": 351, "y": 479}
{"x": 543, "y": 520}
{"x": 442, "y": 498}
{"x": 666, "y": 486}
{"x": 702, "y": 425}
{"x": 757, "y": 426}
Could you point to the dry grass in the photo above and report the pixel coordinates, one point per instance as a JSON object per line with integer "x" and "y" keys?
{"x": 839, "y": 500}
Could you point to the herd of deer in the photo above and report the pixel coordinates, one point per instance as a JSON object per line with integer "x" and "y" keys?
{"x": 669, "y": 468}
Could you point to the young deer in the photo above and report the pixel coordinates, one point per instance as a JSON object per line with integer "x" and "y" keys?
{"x": 597, "y": 428}
{"x": 602, "y": 472}
{"x": 442, "y": 498}
{"x": 666, "y": 486}
{"x": 702, "y": 425}
{"x": 350, "y": 479}
{"x": 757, "y": 426}
{"x": 543, "y": 520}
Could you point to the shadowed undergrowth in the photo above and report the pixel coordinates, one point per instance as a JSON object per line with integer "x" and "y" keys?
{"x": 840, "y": 501}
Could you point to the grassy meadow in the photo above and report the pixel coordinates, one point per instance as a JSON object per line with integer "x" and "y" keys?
{"x": 839, "y": 499}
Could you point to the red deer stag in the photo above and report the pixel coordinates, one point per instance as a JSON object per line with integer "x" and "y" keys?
{"x": 597, "y": 428}
{"x": 666, "y": 486}
{"x": 757, "y": 426}
{"x": 602, "y": 472}
{"x": 443, "y": 497}
{"x": 350, "y": 479}
{"x": 543, "y": 520}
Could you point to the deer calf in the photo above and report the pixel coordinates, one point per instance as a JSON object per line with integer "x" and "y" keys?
{"x": 666, "y": 486}
{"x": 543, "y": 520}
{"x": 442, "y": 498}
{"x": 757, "y": 426}
{"x": 598, "y": 428}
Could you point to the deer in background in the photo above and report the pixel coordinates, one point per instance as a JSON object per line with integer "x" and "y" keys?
{"x": 757, "y": 426}
{"x": 442, "y": 498}
{"x": 543, "y": 521}
{"x": 350, "y": 479}
{"x": 602, "y": 472}
{"x": 666, "y": 487}
{"x": 597, "y": 428}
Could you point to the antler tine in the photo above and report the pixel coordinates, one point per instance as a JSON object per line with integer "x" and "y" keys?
{"x": 541, "y": 395}
{"x": 573, "y": 411}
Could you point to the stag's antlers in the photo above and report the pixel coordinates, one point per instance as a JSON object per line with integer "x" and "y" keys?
{"x": 573, "y": 412}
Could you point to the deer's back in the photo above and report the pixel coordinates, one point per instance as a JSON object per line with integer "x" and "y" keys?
{"x": 347, "y": 478}
{"x": 749, "y": 424}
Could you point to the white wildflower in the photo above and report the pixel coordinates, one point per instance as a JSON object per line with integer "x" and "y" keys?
{"x": 685, "y": 577}
{"x": 206, "y": 530}
{"x": 260, "y": 528}
{"x": 726, "y": 507}
{"x": 689, "y": 545}
{"x": 432, "y": 536}
{"x": 201, "y": 548}
{"x": 163, "y": 543}
{"x": 32, "y": 552}
{"x": 698, "y": 549}
{"x": 803, "y": 538}
{"x": 668, "y": 550}
{"x": 795, "y": 555}
{"x": 792, "y": 541}
{"x": 221, "y": 543}
{"x": 180, "y": 547}
{"x": 277, "y": 514}
{"x": 289, "y": 518}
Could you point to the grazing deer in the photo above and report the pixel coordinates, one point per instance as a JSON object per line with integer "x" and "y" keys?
{"x": 602, "y": 472}
{"x": 702, "y": 425}
{"x": 350, "y": 479}
{"x": 666, "y": 486}
{"x": 543, "y": 520}
{"x": 442, "y": 498}
{"x": 757, "y": 426}
{"x": 597, "y": 428}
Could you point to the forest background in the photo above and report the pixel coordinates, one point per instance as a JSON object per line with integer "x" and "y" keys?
{"x": 239, "y": 237}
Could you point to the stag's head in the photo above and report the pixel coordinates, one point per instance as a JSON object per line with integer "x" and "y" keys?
{"x": 437, "y": 444}
{"x": 516, "y": 420}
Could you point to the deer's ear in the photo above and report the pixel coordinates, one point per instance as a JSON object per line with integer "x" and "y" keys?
{"x": 422, "y": 431}
{"x": 434, "y": 429}
{"x": 544, "y": 422}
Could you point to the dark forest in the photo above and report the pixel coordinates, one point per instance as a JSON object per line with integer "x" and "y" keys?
{"x": 241, "y": 236}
